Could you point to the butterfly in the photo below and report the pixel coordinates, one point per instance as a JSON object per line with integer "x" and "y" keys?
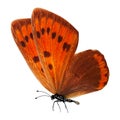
{"x": 48, "y": 43}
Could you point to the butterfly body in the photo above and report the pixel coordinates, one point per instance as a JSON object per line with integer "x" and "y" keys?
{"x": 48, "y": 43}
{"x": 61, "y": 98}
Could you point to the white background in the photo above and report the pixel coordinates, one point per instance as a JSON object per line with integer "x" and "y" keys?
{"x": 98, "y": 23}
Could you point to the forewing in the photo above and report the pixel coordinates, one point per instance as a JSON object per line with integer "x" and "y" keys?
{"x": 88, "y": 72}
{"x": 56, "y": 41}
{"x": 23, "y": 36}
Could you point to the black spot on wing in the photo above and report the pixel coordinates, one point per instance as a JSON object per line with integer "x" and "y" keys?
{"x": 50, "y": 66}
{"x": 53, "y": 35}
{"x": 23, "y": 44}
{"x": 42, "y": 70}
{"x": 48, "y": 30}
{"x": 31, "y": 35}
{"x": 26, "y": 38}
{"x": 38, "y": 34}
{"x": 66, "y": 47}
{"x": 42, "y": 31}
{"x": 60, "y": 38}
{"x": 36, "y": 59}
{"x": 46, "y": 54}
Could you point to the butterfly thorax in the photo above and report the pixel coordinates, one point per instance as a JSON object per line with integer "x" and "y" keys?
{"x": 58, "y": 97}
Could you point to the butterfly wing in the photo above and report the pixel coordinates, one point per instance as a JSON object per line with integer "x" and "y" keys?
{"x": 48, "y": 44}
{"x": 56, "y": 41}
{"x": 88, "y": 72}
{"x": 23, "y": 36}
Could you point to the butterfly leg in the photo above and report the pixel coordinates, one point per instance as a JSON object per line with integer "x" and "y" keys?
{"x": 57, "y": 104}
{"x": 65, "y": 106}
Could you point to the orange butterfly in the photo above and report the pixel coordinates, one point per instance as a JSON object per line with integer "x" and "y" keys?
{"x": 48, "y": 43}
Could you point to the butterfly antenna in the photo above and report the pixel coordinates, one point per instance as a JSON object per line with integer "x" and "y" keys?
{"x": 46, "y": 94}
